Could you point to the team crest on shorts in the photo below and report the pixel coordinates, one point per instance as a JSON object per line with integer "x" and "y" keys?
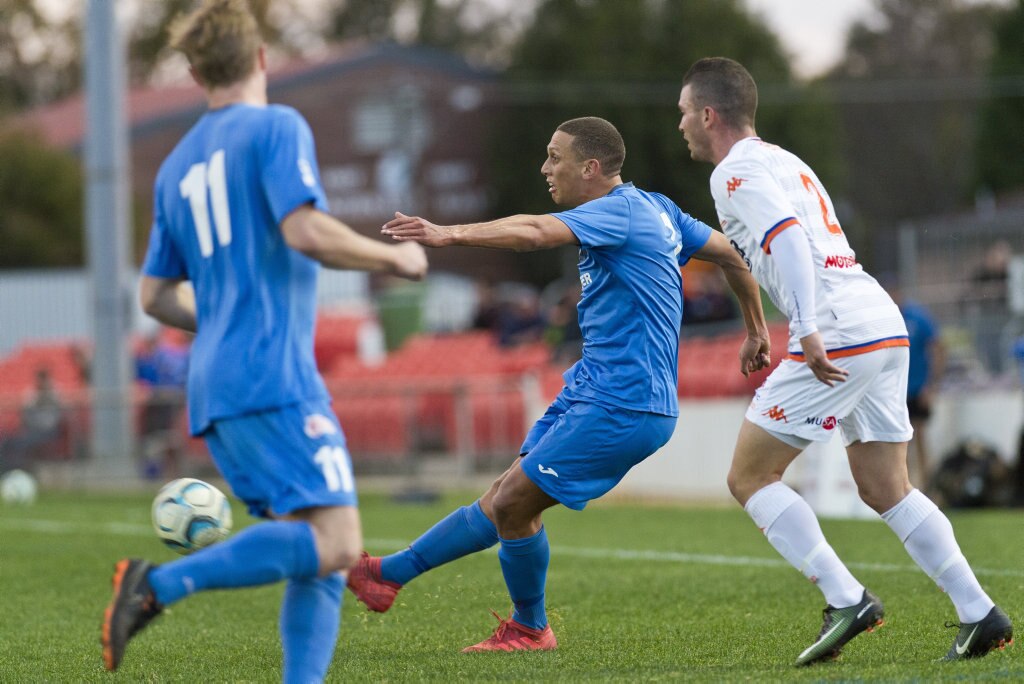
{"x": 318, "y": 425}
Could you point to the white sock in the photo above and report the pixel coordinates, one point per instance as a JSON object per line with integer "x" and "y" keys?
{"x": 791, "y": 527}
{"x": 928, "y": 536}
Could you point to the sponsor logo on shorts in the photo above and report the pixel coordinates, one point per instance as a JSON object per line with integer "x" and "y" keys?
{"x": 827, "y": 423}
{"x": 776, "y": 413}
{"x": 546, "y": 471}
{"x": 318, "y": 425}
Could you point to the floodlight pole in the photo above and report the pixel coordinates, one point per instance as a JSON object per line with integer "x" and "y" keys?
{"x": 107, "y": 219}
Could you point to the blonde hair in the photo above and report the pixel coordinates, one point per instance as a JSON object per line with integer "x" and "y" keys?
{"x": 220, "y": 40}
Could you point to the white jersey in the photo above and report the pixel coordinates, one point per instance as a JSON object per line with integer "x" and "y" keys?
{"x": 761, "y": 190}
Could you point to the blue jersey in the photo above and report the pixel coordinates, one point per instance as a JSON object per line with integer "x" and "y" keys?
{"x": 220, "y": 197}
{"x": 632, "y": 244}
{"x": 922, "y": 333}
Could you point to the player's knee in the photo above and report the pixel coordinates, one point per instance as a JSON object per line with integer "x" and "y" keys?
{"x": 338, "y": 555}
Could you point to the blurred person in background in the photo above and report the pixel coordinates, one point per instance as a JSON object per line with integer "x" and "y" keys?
{"x": 42, "y": 429}
{"x": 240, "y": 223}
{"x": 620, "y": 401}
{"x": 986, "y": 300}
{"x": 927, "y": 365}
{"x": 163, "y": 368}
{"x": 847, "y": 367}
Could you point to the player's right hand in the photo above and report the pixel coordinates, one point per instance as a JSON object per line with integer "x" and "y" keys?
{"x": 817, "y": 360}
{"x": 410, "y": 261}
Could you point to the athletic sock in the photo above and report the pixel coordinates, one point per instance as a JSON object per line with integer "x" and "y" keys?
{"x": 310, "y": 617}
{"x": 928, "y": 537}
{"x": 261, "y": 554}
{"x": 792, "y": 528}
{"x": 466, "y": 530}
{"x": 524, "y": 563}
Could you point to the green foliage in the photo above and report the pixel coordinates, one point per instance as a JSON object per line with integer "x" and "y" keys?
{"x": 624, "y": 60}
{"x": 41, "y": 192}
{"x": 907, "y": 111}
{"x": 1000, "y": 152}
{"x": 635, "y": 593}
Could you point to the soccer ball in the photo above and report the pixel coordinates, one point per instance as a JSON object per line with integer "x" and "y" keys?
{"x": 189, "y": 514}
{"x": 18, "y": 488}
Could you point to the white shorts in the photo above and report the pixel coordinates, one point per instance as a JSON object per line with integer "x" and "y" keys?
{"x": 871, "y": 406}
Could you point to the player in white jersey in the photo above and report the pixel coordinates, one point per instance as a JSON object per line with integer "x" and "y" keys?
{"x": 847, "y": 367}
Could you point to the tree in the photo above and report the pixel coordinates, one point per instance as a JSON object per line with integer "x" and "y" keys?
{"x": 41, "y": 191}
{"x": 624, "y": 60}
{"x": 1000, "y": 149}
{"x": 908, "y": 106}
{"x": 38, "y": 58}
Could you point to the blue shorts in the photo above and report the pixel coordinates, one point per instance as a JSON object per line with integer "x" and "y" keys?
{"x": 579, "y": 450}
{"x": 285, "y": 459}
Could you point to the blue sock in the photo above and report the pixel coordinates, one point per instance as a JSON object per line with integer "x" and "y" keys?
{"x": 310, "y": 616}
{"x": 524, "y": 563}
{"x": 261, "y": 554}
{"x": 465, "y": 531}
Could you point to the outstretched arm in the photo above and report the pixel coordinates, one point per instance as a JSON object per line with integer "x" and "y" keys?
{"x": 521, "y": 233}
{"x": 322, "y": 237}
{"x": 755, "y": 353}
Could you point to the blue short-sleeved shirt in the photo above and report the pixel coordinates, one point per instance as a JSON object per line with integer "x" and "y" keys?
{"x": 922, "y": 332}
{"x": 219, "y": 199}
{"x": 632, "y": 244}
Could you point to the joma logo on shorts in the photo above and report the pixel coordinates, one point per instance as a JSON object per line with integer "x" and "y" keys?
{"x": 828, "y": 423}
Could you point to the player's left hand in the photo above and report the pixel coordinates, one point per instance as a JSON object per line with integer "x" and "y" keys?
{"x": 755, "y": 354}
{"x": 416, "y": 229}
{"x": 817, "y": 360}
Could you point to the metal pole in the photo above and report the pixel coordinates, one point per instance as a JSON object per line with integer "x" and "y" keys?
{"x": 106, "y": 216}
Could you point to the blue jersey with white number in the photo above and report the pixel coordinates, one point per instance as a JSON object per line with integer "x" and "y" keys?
{"x": 632, "y": 245}
{"x": 220, "y": 197}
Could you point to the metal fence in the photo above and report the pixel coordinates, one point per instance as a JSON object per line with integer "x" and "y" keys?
{"x": 968, "y": 270}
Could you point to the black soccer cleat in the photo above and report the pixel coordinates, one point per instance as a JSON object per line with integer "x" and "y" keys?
{"x": 131, "y": 608}
{"x": 976, "y": 639}
{"x": 841, "y": 625}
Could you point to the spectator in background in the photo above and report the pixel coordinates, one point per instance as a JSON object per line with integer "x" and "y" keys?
{"x": 927, "y": 364}
{"x": 987, "y": 304}
{"x": 488, "y": 308}
{"x": 43, "y": 419}
{"x": 520, "y": 321}
{"x": 706, "y": 299}
{"x": 163, "y": 368}
{"x": 563, "y": 333}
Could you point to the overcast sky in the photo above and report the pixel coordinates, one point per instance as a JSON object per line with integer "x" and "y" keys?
{"x": 813, "y": 32}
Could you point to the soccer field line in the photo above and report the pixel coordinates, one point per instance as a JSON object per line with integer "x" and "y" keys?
{"x": 135, "y": 530}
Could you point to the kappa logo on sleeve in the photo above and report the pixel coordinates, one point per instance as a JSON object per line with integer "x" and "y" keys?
{"x": 733, "y": 184}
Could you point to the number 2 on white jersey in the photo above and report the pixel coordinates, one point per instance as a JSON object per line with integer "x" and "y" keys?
{"x": 334, "y": 462}
{"x": 194, "y": 186}
{"x": 832, "y": 226}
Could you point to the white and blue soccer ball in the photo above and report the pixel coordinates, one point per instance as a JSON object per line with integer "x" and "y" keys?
{"x": 189, "y": 514}
{"x": 18, "y": 488}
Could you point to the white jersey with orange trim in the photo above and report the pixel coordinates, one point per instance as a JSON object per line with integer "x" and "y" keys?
{"x": 761, "y": 190}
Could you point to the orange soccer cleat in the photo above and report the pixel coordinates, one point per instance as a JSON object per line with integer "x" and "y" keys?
{"x": 512, "y": 636}
{"x": 369, "y": 587}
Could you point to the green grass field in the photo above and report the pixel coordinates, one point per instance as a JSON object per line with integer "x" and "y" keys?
{"x": 635, "y": 593}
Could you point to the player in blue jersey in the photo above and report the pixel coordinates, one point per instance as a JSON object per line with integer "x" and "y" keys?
{"x": 619, "y": 403}
{"x": 239, "y": 225}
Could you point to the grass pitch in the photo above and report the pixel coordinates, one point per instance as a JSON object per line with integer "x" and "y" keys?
{"x": 635, "y": 593}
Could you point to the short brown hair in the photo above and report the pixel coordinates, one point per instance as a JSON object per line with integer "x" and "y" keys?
{"x": 725, "y": 86}
{"x": 595, "y": 138}
{"x": 220, "y": 40}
